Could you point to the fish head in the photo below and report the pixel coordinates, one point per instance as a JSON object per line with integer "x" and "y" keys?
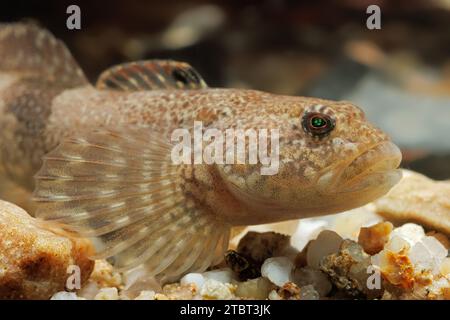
{"x": 331, "y": 159}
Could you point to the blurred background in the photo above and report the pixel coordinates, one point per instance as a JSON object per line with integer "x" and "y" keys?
{"x": 400, "y": 75}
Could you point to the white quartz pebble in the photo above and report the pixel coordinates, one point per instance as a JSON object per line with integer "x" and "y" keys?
{"x": 327, "y": 242}
{"x": 64, "y": 295}
{"x": 222, "y": 275}
{"x": 277, "y": 270}
{"x": 196, "y": 278}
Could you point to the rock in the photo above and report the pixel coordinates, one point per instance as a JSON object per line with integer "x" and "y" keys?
{"x": 273, "y": 295}
{"x": 419, "y": 199}
{"x": 445, "y": 267}
{"x": 289, "y": 291}
{"x": 348, "y": 223}
{"x": 410, "y": 232}
{"x": 175, "y": 291}
{"x": 327, "y": 242}
{"x": 244, "y": 267}
{"x": 307, "y": 230}
{"x": 285, "y": 227}
{"x": 215, "y": 290}
{"x": 193, "y": 278}
{"x": 260, "y": 246}
{"x": 427, "y": 255}
{"x": 34, "y": 260}
{"x": 415, "y": 267}
{"x": 373, "y": 238}
{"x": 146, "y": 295}
{"x": 224, "y": 275}
{"x": 107, "y": 294}
{"x": 277, "y": 270}
{"x": 442, "y": 238}
{"x": 348, "y": 270}
{"x": 309, "y": 293}
{"x": 258, "y": 288}
{"x": 64, "y": 295}
{"x": 316, "y": 278}
{"x": 104, "y": 275}
{"x": 396, "y": 244}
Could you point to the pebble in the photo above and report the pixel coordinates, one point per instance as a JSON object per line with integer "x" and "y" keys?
{"x": 107, "y": 294}
{"x": 146, "y": 295}
{"x": 260, "y": 246}
{"x": 417, "y": 198}
{"x": 224, "y": 275}
{"x": 309, "y": 293}
{"x": 273, "y": 295}
{"x": 373, "y": 238}
{"x": 277, "y": 270}
{"x": 215, "y": 290}
{"x": 410, "y": 232}
{"x": 348, "y": 270}
{"x": 428, "y": 254}
{"x": 64, "y": 295}
{"x": 193, "y": 278}
{"x": 327, "y": 242}
{"x": 258, "y": 288}
{"x": 307, "y": 230}
{"x": 308, "y": 276}
{"x": 34, "y": 259}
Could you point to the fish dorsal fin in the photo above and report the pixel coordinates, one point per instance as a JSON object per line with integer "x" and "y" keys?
{"x": 151, "y": 75}
{"x": 34, "y": 53}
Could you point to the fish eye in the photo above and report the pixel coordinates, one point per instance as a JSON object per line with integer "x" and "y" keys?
{"x": 317, "y": 124}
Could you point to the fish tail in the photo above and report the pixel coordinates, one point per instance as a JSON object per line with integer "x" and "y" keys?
{"x": 35, "y": 67}
{"x": 29, "y": 51}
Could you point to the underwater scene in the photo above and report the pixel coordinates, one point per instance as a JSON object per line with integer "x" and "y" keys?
{"x": 225, "y": 150}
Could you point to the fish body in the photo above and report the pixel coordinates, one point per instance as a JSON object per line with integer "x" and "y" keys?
{"x": 102, "y": 156}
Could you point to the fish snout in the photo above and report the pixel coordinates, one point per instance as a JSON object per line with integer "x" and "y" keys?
{"x": 381, "y": 160}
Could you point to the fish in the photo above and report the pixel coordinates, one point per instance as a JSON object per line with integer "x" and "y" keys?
{"x": 97, "y": 158}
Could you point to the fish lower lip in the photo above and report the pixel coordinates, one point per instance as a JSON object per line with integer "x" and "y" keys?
{"x": 382, "y": 158}
{"x": 375, "y": 180}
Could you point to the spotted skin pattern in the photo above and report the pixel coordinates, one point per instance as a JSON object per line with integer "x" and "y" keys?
{"x": 351, "y": 165}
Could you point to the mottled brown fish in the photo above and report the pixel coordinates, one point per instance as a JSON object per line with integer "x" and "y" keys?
{"x": 106, "y": 170}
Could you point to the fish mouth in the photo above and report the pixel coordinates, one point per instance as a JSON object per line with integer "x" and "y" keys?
{"x": 377, "y": 166}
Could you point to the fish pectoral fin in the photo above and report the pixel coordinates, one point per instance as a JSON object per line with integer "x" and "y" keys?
{"x": 151, "y": 75}
{"x": 120, "y": 189}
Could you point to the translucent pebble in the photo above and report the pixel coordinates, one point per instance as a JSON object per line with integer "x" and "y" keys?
{"x": 146, "y": 295}
{"x": 196, "y": 278}
{"x": 308, "y": 293}
{"x": 428, "y": 254}
{"x": 258, "y": 288}
{"x": 316, "y": 278}
{"x": 436, "y": 248}
{"x": 327, "y": 242}
{"x": 64, "y": 295}
{"x": 225, "y": 275}
{"x": 277, "y": 270}
{"x": 396, "y": 244}
{"x": 273, "y": 295}
{"x": 445, "y": 267}
{"x": 410, "y": 232}
{"x": 213, "y": 289}
{"x": 307, "y": 230}
{"x": 107, "y": 294}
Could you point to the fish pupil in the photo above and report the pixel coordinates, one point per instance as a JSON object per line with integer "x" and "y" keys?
{"x": 318, "y": 122}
